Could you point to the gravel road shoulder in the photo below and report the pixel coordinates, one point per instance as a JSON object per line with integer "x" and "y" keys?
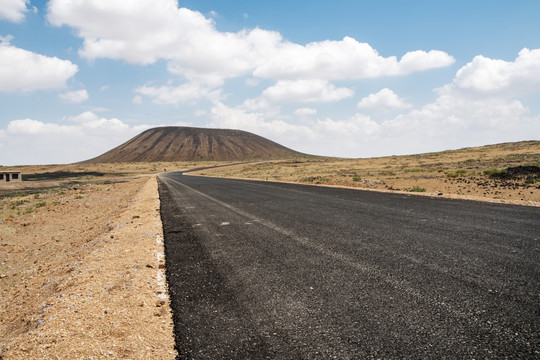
{"x": 82, "y": 276}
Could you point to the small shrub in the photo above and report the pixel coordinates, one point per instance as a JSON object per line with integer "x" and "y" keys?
{"x": 356, "y": 178}
{"x": 16, "y": 203}
{"x": 417, "y": 188}
{"x": 78, "y": 197}
{"x": 41, "y": 204}
{"x": 456, "y": 174}
{"x": 529, "y": 181}
{"x": 494, "y": 172}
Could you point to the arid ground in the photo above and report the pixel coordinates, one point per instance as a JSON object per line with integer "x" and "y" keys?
{"x": 81, "y": 266}
{"x": 82, "y": 272}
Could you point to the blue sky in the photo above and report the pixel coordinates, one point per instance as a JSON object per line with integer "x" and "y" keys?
{"x": 342, "y": 78}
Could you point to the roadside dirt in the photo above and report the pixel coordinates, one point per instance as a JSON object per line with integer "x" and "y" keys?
{"x": 82, "y": 274}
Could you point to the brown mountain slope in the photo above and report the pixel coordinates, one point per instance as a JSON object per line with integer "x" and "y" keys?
{"x": 188, "y": 144}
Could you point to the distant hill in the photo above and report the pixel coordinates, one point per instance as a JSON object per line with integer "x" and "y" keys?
{"x": 188, "y": 144}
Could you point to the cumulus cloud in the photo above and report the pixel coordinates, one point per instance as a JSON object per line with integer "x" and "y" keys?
{"x": 224, "y": 116}
{"x": 303, "y": 112}
{"x": 77, "y": 138}
{"x": 23, "y": 70}
{"x": 345, "y": 59}
{"x": 13, "y": 10}
{"x": 299, "y": 91}
{"x": 454, "y": 119}
{"x": 385, "y": 98}
{"x": 144, "y": 31}
{"x": 315, "y": 136}
{"x": 74, "y": 97}
{"x": 137, "y": 99}
{"x": 485, "y": 76}
{"x": 313, "y": 90}
{"x": 188, "y": 92}
{"x": 34, "y": 127}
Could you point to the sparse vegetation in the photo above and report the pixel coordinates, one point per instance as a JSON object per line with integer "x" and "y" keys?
{"x": 457, "y": 173}
{"x": 494, "y": 172}
{"x": 417, "y": 188}
{"x": 17, "y": 203}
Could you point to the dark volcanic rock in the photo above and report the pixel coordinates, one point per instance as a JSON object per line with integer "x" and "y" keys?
{"x": 518, "y": 172}
{"x": 189, "y": 144}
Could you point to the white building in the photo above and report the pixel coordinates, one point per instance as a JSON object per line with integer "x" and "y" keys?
{"x": 10, "y": 176}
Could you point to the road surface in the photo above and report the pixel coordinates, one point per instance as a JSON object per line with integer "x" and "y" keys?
{"x": 262, "y": 270}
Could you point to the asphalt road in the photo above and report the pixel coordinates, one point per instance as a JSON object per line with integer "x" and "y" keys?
{"x": 265, "y": 270}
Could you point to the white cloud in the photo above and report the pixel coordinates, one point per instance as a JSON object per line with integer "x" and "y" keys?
{"x": 484, "y": 76}
{"x": 313, "y": 90}
{"x": 385, "y": 98}
{"x": 23, "y": 70}
{"x": 455, "y": 119}
{"x": 13, "y": 10}
{"x": 144, "y": 31}
{"x": 345, "y": 59}
{"x": 303, "y": 112}
{"x": 224, "y": 116}
{"x": 137, "y": 99}
{"x": 74, "y": 97}
{"x": 299, "y": 91}
{"x": 84, "y": 136}
{"x": 321, "y": 137}
{"x": 189, "y": 92}
{"x": 33, "y": 127}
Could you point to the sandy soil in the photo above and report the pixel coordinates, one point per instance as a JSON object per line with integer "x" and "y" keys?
{"x": 82, "y": 274}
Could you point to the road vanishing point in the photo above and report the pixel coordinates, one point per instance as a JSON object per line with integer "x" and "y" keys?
{"x": 260, "y": 270}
